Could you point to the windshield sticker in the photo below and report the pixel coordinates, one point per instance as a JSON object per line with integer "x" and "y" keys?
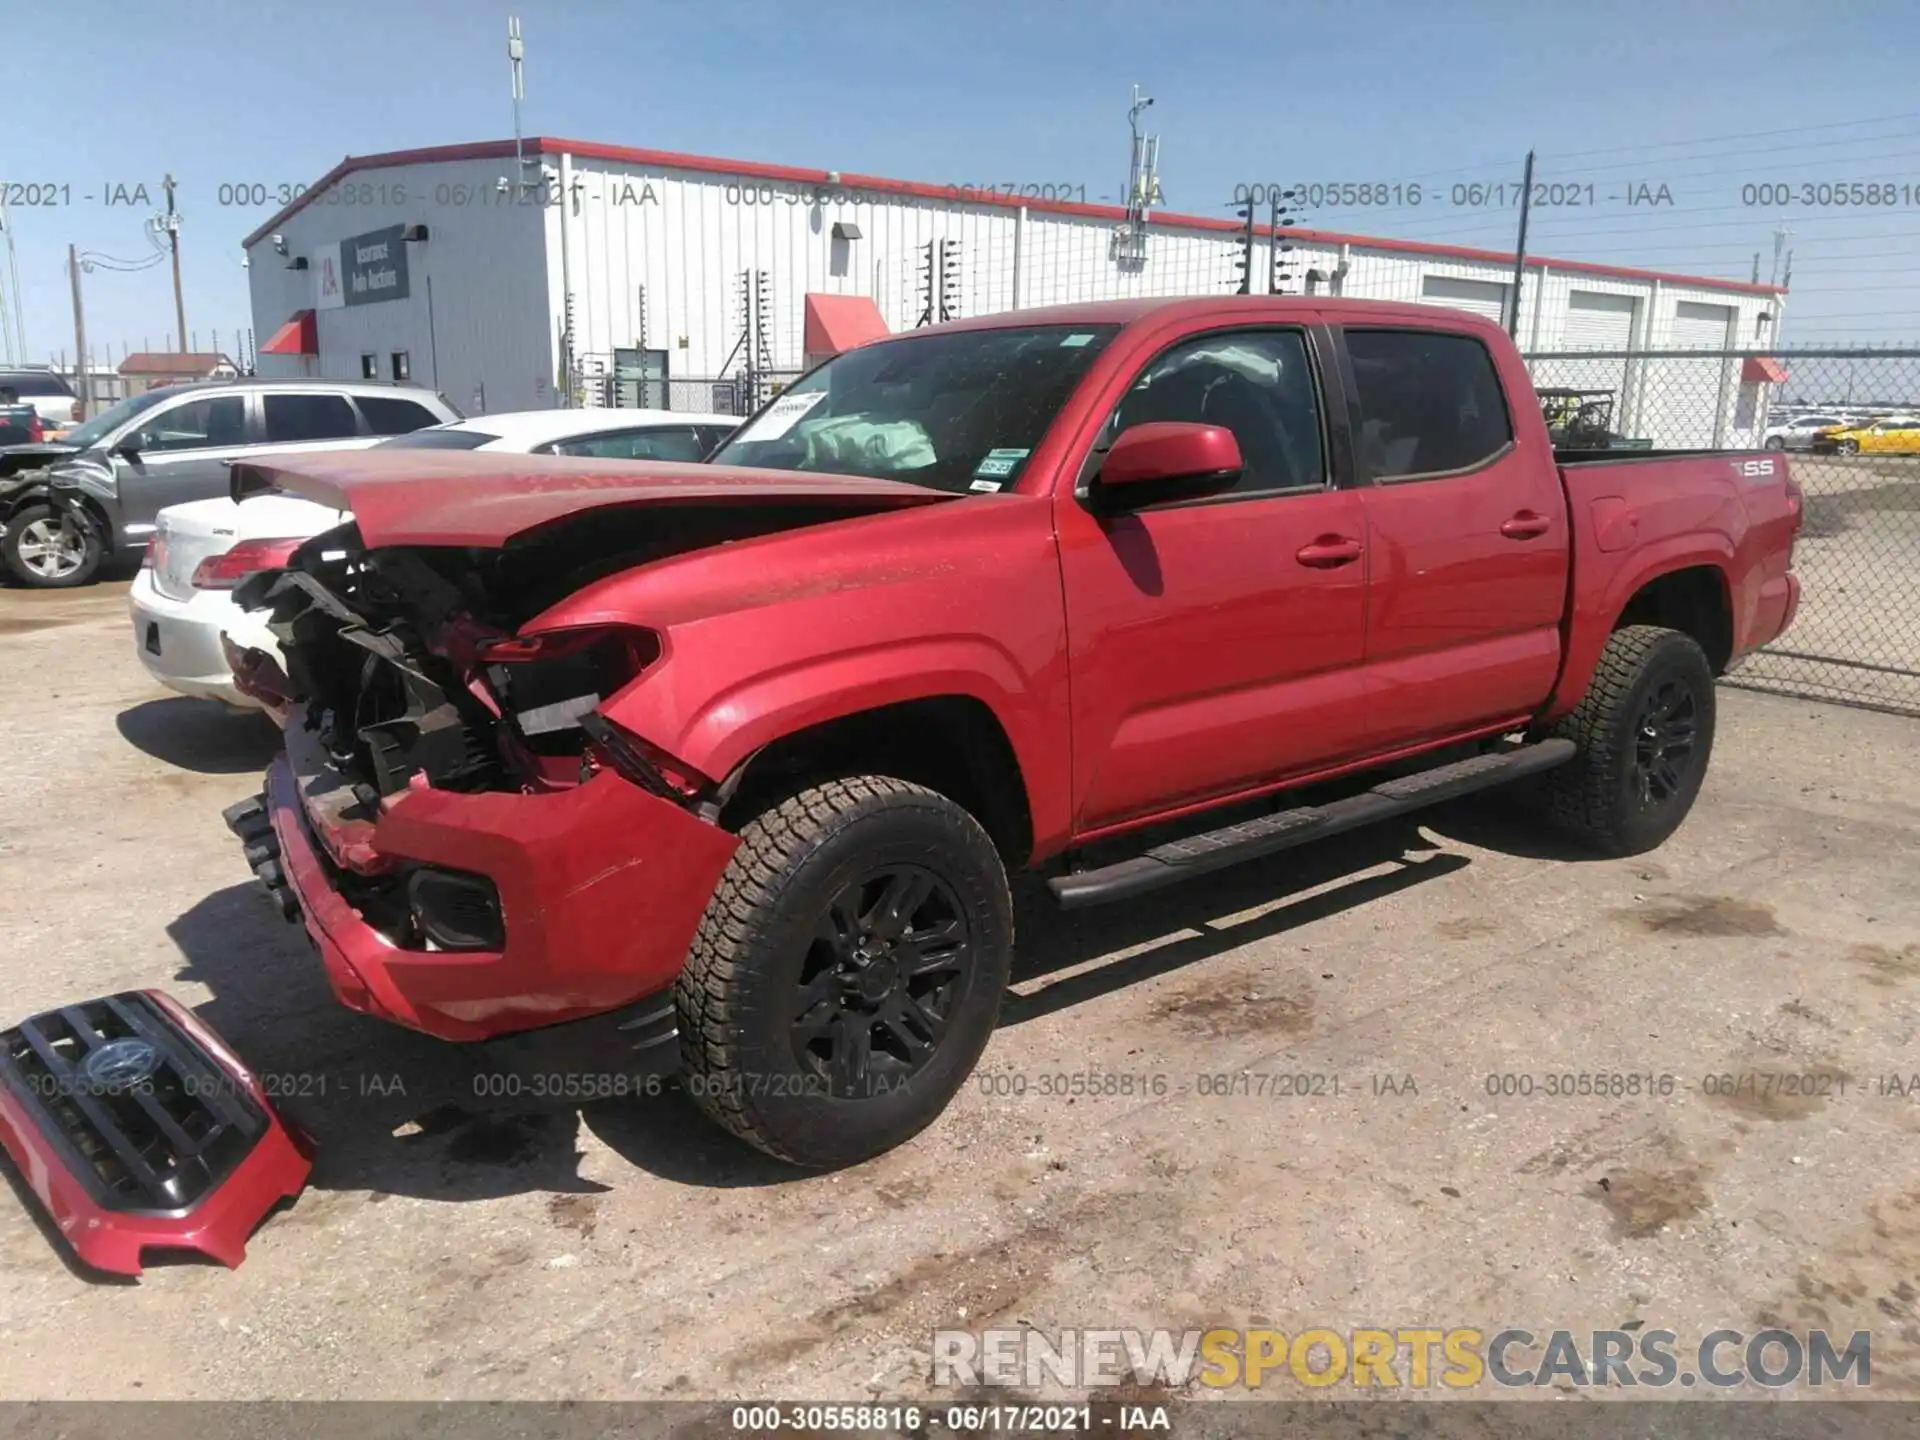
{"x": 1073, "y": 342}
{"x": 781, "y": 416}
{"x": 986, "y": 485}
{"x": 999, "y": 465}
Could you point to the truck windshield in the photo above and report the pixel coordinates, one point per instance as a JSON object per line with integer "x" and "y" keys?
{"x": 955, "y": 411}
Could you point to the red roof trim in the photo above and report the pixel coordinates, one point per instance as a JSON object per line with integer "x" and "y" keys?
{"x": 919, "y": 190}
{"x": 1763, "y": 370}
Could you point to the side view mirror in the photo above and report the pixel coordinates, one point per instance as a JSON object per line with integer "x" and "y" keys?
{"x": 129, "y": 448}
{"x": 1166, "y": 460}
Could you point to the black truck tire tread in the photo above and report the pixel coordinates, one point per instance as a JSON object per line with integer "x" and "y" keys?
{"x": 733, "y": 928}
{"x": 1579, "y": 796}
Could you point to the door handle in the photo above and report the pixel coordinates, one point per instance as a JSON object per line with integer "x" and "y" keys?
{"x": 1525, "y": 526}
{"x": 1328, "y": 551}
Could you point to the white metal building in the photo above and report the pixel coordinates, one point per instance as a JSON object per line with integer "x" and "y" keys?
{"x": 591, "y": 273}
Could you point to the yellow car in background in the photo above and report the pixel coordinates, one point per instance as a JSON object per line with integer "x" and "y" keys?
{"x": 1892, "y": 435}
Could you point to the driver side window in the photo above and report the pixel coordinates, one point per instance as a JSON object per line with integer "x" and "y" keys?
{"x": 1256, "y": 383}
{"x": 195, "y": 425}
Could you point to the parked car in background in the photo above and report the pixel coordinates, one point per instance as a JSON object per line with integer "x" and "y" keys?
{"x": 45, "y": 390}
{"x": 101, "y": 494}
{"x": 20, "y": 424}
{"x": 182, "y": 604}
{"x": 36, "y": 414}
{"x": 1889, "y": 435}
{"x": 1800, "y": 432}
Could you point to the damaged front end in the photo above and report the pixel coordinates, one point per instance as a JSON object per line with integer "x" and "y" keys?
{"x": 407, "y": 669}
{"x": 472, "y": 846}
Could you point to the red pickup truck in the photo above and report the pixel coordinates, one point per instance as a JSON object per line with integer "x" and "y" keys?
{"x": 721, "y": 768}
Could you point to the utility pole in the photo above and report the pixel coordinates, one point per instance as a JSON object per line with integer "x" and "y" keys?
{"x": 81, "y": 374}
{"x": 173, "y": 234}
{"x": 1520, "y": 248}
{"x": 1244, "y": 286}
{"x": 13, "y": 284}
{"x": 1780, "y": 238}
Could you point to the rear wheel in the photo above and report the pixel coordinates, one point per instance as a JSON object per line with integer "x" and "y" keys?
{"x": 1774, "y": 442}
{"x": 848, "y": 971}
{"x": 45, "y": 550}
{"x": 1645, "y": 734}
{"x": 1847, "y": 447}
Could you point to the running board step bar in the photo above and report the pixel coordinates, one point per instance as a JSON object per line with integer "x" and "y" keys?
{"x": 1179, "y": 860}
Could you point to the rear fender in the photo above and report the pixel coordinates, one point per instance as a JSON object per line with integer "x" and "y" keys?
{"x": 1602, "y": 595}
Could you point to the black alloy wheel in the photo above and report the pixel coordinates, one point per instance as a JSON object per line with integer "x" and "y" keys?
{"x": 1664, "y": 735}
{"x": 1644, "y": 738}
{"x": 848, "y": 971}
{"x": 886, "y": 964}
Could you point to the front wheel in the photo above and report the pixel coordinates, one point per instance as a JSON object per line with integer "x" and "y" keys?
{"x": 1774, "y": 442}
{"x": 46, "y": 550}
{"x": 1645, "y": 733}
{"x": 848, "y": 971}
{"x": 1848, "y": 447}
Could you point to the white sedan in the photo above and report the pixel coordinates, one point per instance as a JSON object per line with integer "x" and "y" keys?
{"x": 182, "y": 602}
{"x": 1799, "y": 432}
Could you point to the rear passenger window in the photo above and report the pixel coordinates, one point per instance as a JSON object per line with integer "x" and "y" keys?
{"x": 388, "y": 416}
{"x": 1429, "y": 403}
{"x": 1256, "y": 383}
{"x": 308, "y": 417}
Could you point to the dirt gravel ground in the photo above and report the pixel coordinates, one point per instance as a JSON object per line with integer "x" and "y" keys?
{"x": 455, "y": 1247}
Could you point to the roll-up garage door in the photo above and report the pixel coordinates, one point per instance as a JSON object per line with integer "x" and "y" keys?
{"x": 1699, "y": 327}
{"x": 1595, "y": 321}
{"x": 1480, "y": 297}
{"x": 1687, "y": 401}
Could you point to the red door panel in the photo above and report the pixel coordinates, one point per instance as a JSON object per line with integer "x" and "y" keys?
{"x": 1206, "y": 655}
{"x": 1467, "y": 530}
{"x": 1469, "y": 581}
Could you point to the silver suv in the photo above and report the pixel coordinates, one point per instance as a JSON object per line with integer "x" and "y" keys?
{"x": 172, "y": 445}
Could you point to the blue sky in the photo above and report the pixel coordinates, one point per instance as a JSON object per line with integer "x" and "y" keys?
{"x": 1703, "y": 98}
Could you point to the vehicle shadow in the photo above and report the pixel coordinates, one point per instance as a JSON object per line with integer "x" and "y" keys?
{"x": 1063, "y": 954}
{"x": 1504, "y": 823}
{"x": 398, "y": 1113}
{"x": 200, "y": 735}
{"x": 389, "y": 1110}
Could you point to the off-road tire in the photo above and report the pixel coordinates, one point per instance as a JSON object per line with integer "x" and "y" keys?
{"x": 1596, "y": 796}
{"x": 741, "y": 1064}
{"x": 10, "y": 552}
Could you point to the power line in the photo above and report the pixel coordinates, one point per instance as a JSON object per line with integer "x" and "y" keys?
{"x": 1774, "y": 151}
{"x": 1745, "y": 135}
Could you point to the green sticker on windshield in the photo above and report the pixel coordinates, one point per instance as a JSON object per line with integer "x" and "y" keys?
{"x": 1073, "y": 341}
{"x": 999, "y": 464}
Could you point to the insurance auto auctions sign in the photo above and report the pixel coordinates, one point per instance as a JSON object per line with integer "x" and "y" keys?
{"x": 361, "y": 270}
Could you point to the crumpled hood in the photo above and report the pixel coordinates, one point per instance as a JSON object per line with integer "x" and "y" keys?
{"x": 469, "y": 498}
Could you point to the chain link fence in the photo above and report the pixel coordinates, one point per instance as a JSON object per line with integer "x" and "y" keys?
{"x": 597, "y": 384}
{"x": 1848, "y": 421}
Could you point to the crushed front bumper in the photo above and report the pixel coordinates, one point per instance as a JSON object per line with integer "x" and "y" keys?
{"x": 137, "y": 1128}
{"x": 600, "y": 887}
